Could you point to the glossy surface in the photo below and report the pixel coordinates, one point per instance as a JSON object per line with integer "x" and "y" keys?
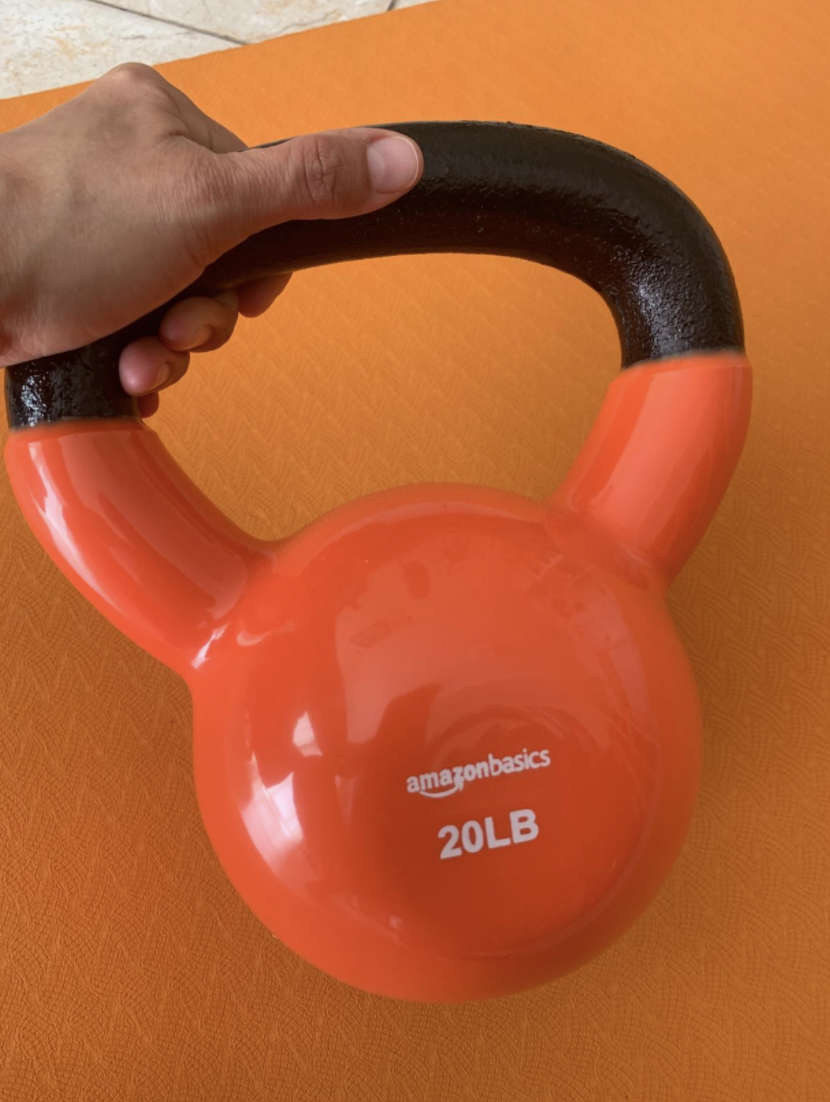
{"x": 443, "y": 660}
{"x": 356, "y": 685}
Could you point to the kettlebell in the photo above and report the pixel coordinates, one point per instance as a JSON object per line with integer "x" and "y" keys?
{"x": 447, "y": 739}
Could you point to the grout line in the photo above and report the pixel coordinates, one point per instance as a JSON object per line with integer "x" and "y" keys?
{"x": 172, "y": 22}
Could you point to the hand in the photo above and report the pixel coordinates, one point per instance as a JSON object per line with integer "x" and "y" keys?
{"x": 115, "y": 201}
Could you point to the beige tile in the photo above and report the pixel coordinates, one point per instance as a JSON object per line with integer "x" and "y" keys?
{"x": 255, "y": 20}
{"x": 49, "y": 43}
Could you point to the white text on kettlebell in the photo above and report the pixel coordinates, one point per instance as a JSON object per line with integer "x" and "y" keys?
{"x": 475, "y": 836}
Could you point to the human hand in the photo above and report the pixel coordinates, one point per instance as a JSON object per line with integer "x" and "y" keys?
{"x": 114, "y": 202}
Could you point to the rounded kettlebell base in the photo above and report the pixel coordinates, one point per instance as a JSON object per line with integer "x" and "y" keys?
{"x": 456, "y": 759}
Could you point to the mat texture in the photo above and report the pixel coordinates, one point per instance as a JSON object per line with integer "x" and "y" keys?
{"x": 129, "y": 969}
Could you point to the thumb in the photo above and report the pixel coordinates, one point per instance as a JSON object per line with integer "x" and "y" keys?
{"x": 334, "y": 174}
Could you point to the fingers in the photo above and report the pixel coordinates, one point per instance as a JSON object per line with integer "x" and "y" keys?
{"x": 200, "y": 324}
{"x": 255, "y": 297}
{"x": 192, "y": 325}
{"x": 147, "y": 365}
{"x": 148, "y": 404}
{"x": 336, "y": 174}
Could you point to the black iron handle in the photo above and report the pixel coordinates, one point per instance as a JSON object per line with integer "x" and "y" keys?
{"x": 544, "y": 195}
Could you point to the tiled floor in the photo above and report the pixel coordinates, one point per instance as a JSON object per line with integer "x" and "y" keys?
{"x": 48, "y": 43}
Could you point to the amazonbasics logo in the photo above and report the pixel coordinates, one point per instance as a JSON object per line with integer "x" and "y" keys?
{"x": 444, "y": 782}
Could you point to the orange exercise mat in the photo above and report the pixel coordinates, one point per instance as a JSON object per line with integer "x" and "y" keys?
{"x": 129, "y": 968}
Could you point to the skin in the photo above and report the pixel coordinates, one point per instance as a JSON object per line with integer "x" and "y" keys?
{"x": 115, "y": 201}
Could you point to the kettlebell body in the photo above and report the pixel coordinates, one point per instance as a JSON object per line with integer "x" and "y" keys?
{"x": 447, "y": 741}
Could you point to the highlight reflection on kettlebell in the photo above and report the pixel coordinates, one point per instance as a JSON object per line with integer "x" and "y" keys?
{"x": 447, "y": 740}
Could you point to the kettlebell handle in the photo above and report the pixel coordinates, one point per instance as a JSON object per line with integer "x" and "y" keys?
{"x": 523, "y": 191}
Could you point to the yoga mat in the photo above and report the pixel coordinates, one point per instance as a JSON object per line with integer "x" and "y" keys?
{"x": 129, "y": 968}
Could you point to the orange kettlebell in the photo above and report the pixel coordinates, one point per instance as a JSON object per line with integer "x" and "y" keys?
{"x": 447, "y": 740}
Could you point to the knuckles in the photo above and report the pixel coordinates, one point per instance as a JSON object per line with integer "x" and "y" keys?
{"x": 322, "y": 172}
{"x": 133, "y": 73}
